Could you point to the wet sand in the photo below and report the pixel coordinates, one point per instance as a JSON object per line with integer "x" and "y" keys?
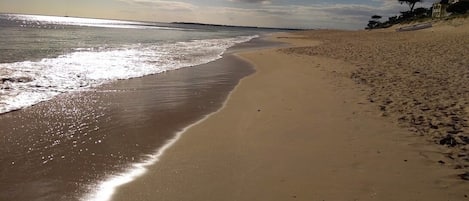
{"x": 58, "y": 149}
{"x": 301, "y": 129}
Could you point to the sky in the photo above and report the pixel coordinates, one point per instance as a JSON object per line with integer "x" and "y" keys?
{"x": 311, "y": 14}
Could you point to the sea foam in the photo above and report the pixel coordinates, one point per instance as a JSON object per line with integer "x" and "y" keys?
{"x": 104, "y": 190}
{"x": 29, "y": 82}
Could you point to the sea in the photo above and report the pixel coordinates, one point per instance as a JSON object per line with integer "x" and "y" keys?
{"x": 87, "y": 104}
{"x": 43, "y": 56}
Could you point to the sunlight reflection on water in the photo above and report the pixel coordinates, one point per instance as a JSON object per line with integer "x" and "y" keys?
{"x": 38, "y": 20}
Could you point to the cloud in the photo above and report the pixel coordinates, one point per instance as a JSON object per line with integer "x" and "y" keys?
{"x": 163, "y": 5}
{"x": 273, "y": 13}
{"x": 285, "y": 16}
{"x": 396, "y": 4}
{"x": 265, "y": 2}
{"x": 339, "y": 15}
{"x": 313, "y": 15}
{"x": 324, "y": 15}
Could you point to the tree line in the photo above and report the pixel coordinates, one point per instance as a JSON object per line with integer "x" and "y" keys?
{"x": 413, "y": 13}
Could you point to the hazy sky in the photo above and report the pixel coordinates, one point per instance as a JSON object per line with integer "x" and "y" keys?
{"x": 339, "y": 14}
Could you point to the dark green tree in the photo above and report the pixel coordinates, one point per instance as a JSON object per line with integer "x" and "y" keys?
{"x": 372, "y": 24}
{"x": 406, "y": 15}
{"x": 459, "y": 7}
{"x": 376, "y": 17}
{"x": 411, "y": 3}
{"x": 422, "y": 12}
{"x": 392, "y": 19}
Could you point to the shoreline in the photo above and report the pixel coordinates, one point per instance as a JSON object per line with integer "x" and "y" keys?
{"x": 120, "y": 124}
{"x": 106, "y": 189}
{"x": 306, "y": 125}
{"x": 299, "y": 133}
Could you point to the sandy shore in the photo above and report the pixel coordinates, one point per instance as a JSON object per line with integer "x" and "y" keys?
{"x": 59, "y": 149}
{"x": 301, "y": 129}
{"x": 419, "y": 79}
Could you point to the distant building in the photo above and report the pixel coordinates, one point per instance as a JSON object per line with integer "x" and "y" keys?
{"x": 439, "y": 10}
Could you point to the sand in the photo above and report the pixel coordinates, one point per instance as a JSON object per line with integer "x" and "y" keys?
{"x": 301, "y": 129}
{"x": 419, "y": 79}
{"x": 58, "y": 149}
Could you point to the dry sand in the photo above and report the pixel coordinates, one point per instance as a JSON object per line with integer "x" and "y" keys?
{"x": 419, "y": 79}
{"x": 301, "y": 129}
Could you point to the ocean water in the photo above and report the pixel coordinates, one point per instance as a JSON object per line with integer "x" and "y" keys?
{"x": 43, "y": 56}
{"x": 75, "y": 124}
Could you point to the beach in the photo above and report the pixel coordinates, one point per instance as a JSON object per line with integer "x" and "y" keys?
{"x": 87, "y": 103}
{"x": 418, "y": 79}
{"x": 341, "y": 115}
{"x": 306, "y": 115}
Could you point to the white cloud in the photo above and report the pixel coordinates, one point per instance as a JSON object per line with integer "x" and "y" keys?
{"x": 163, "y": 5}
{"x": 268, "y": 13}
{"x": 343, "y": 16}
{"x": 265, "y": 2}
{"x": 333, "y": 15}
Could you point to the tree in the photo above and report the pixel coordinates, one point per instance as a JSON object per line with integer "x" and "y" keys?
{"x": 411, "y": 3}
{"x": 372, "y": 24}
{"x": 459, "y": 7}
{"x": 392, "y": 19}
{"x": 406, "y": 15}
{"x": 421, "y": 12}
{"x": 376, "y": 17}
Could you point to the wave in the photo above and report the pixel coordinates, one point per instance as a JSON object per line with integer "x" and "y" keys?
{"x": 104, "y": 190}
{"x": 26, "y": 83}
